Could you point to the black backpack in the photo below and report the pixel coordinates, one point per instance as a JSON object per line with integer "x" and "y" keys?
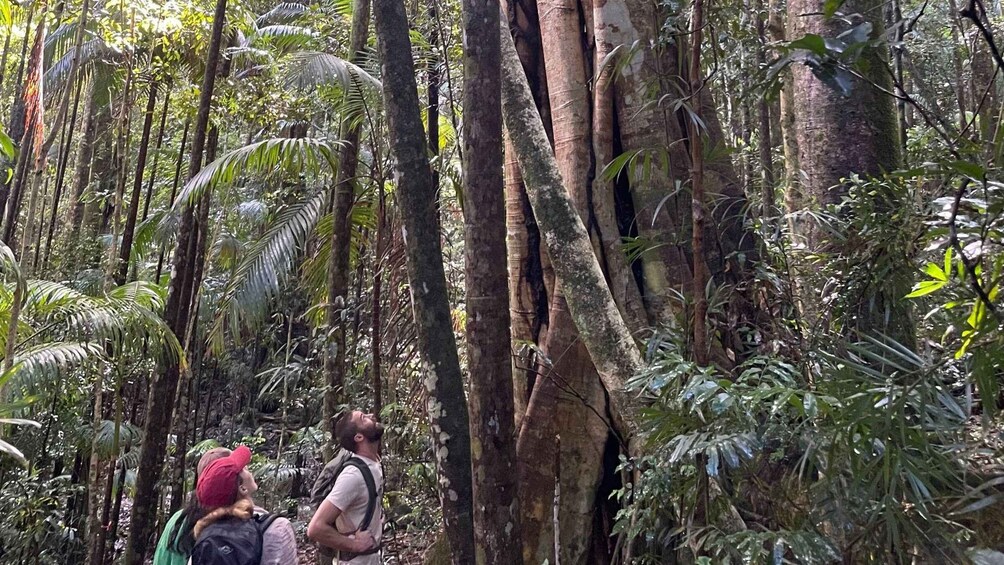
{"x": 232, "y": 541}
{"x": 326, "y": 481}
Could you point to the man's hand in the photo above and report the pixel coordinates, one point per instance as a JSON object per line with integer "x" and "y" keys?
{"x": 363, "y": 541}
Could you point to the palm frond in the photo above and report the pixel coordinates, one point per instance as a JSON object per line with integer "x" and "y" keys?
{"x": 287, "y": 37}
{"x": 104, "y": 438}
{"x": 309, "y": 69}
{"x": 283, "y": 12}
{"x": 257, "y": 278}
{"x": 58, "y": 74}
{"x": 277, "y": 155}
{"x": 8, "y": 449}
{"x": 141, "y": 293}
{"x": 9, "y": 266}
{"x": 48, "y": 360}
{"x": 315, "y": 268}
{"x": 47, "y": 298}
{"x": 200, "y": 449}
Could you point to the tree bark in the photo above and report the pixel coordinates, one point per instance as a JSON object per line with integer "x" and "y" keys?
{"x": 376, "y": 317}
{"x": 447, "y": 405}
{"x": 600, "y": 324}
{"x": 156, "y": 154}
{"x": 496, "y": 503}
{"x": 177, "y": 310}
{"x": 837, "y": 137}
{"x": 765, "y": 144}
{"x": 696, "y": 136}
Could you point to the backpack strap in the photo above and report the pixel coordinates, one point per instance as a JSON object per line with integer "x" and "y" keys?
{"x": 371, "y": 489}
{"x": 262, "y": 522}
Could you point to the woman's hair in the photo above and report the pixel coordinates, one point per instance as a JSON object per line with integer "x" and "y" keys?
{"x": 182, "y": 537}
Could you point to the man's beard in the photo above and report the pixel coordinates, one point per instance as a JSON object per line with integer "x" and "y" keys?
{"x": 375, "y": 433}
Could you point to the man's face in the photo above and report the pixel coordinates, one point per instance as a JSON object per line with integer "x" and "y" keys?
{"x": 368, "y": 426}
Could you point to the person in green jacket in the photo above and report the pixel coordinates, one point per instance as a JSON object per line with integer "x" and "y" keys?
{"x": 177, "y": 540}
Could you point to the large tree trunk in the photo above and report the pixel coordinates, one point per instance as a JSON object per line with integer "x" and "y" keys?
{"x": 341, "y": 235}
{"x": 600, "y": 324}
{"x": 177, "y": 310}
{"x": 496, "y": 504}
{"x": 447, "y": 405}
{"x": 528, "y": 289}
{"x": 598, "y": 114}
{"x": 838, "y": 136}
{"x": 601, "y": 329}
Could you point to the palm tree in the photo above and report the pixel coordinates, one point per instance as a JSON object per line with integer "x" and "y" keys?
{"x": 48, "y": 328}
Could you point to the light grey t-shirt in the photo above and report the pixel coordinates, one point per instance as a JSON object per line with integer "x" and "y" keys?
{"x": 351, "y": 497}
{"x": 279, "y": 544}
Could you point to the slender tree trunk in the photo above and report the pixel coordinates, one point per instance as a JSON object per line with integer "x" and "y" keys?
{"x": 38, "y": 230}
{"x": 130, "y": 226}
{"x": 120, "y": 173}
{"x": 100, "y": 536}
{"x": 174, "y": 191}
{"x": 792, "y": 179}
{"x": 3, "y": 58}
{"x": 496, "y": 504}
{"x": 375, "y": 319}
{"x": 341, "y": 235}
{"x": 156, "y": 153}
{"x": 162, "y": 393}
{"x": 64, "y": 162}
{"x": 447, "y": 405}
{"x": 94, "y": 476}
{"x": 765, "y": 144}
{"x": 113, "y": 527}
{"x": 957, "y": 56}
{"x": 696, "y": 137}
{"x": 85, "y": 155}
{"x": 897, "y": 60}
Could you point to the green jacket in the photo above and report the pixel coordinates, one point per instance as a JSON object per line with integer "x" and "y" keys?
{"x": 164, "y": 554}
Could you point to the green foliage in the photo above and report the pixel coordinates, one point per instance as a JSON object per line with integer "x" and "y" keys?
{"x": 287, "y": 157}
{"x": 865, "y": 461}
{"x": 257, "y": 278}
{"x": 35, "y": 528}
